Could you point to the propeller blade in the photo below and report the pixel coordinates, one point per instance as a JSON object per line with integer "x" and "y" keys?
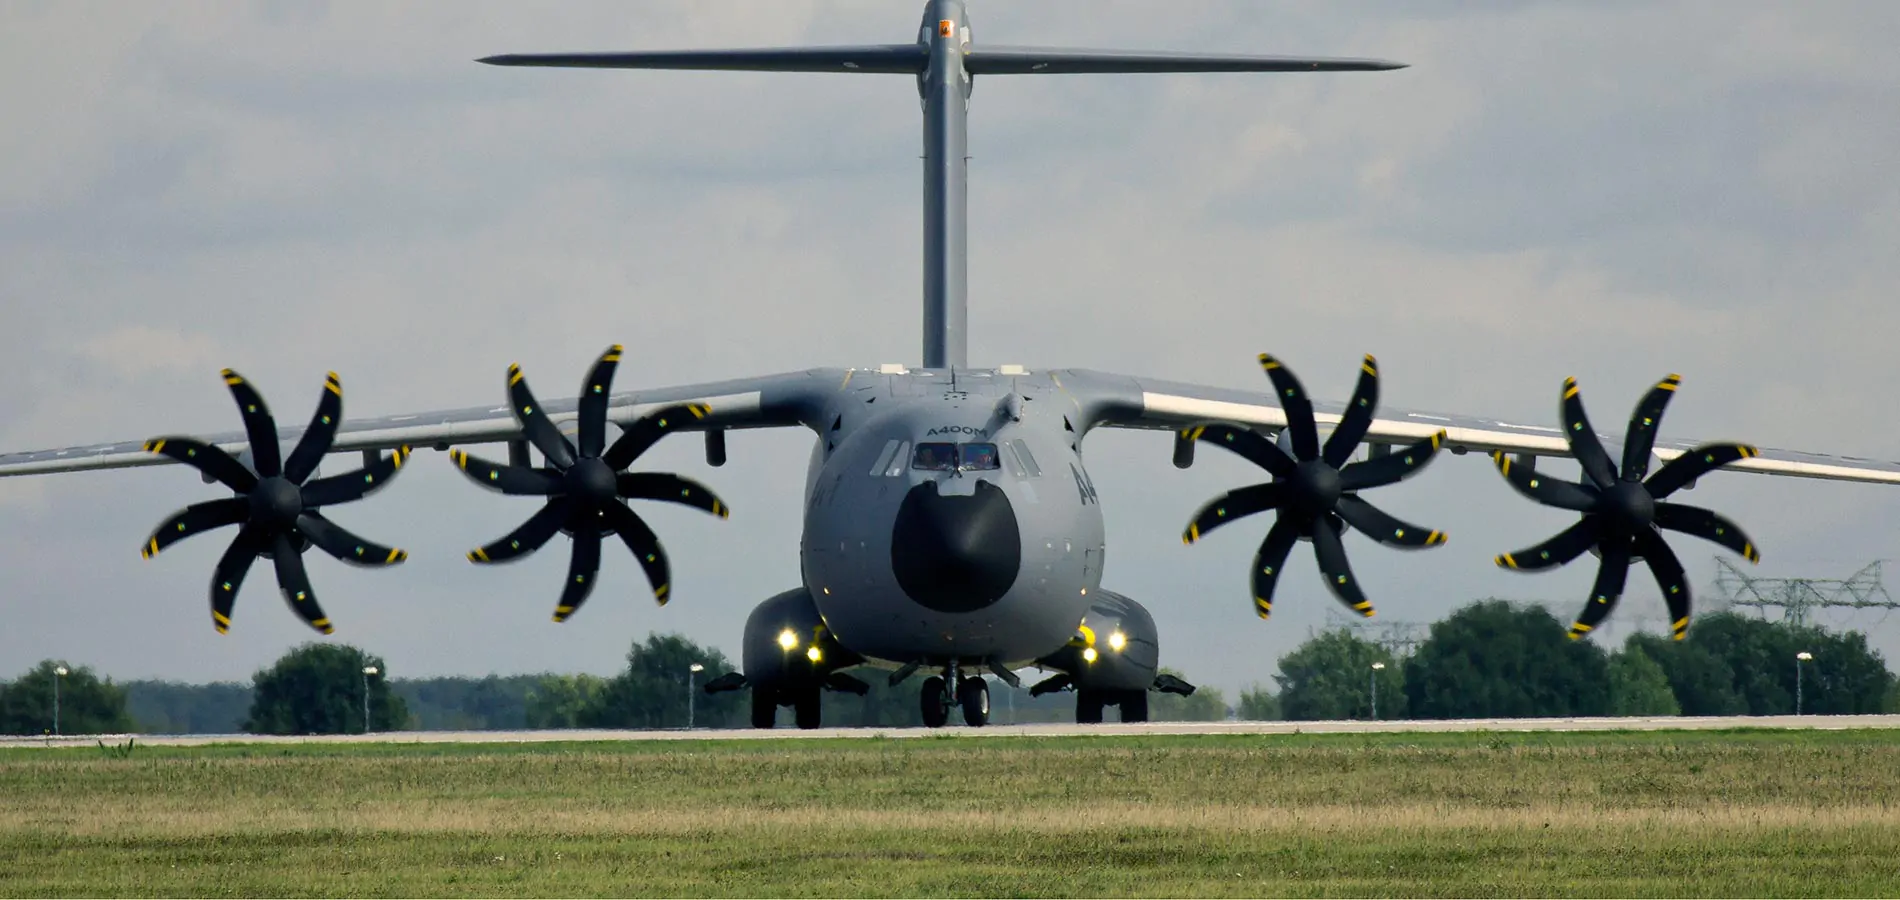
{"x": 339, "y": 542}
{"x": 535, "y": 423}
{"x": 1695, "y": 464}
{"x": 1298, "y": 408}
{"x": 644, "y": 544}
{"x": 526, "y": 539}
{"x": 1641, "y": 437}
{"x": 1584, "y": 444}
{"x": 671, "y": 489}
{"x": 1232, "y": 506}
{"x": 1250, "y": 444}
{"x": 1269, "y": 561}
{"x": 295, "y": 583}
{"x": 593, "y": 405}
{"x": 1669, "y": 576}
{"x": 649, "y": 429}
{"x": 221, "y": 466}
{"x": 230, "y": 572}
{"x": 320, "y": 435}
{"x": 1545, "y": 490}
{"x": 1392, "y": 467}
{"x": 1612, "y": 571}
{"x": 1377, "y": 525}
{"x": 1565, "y": 546}
{"x": 516, "y": 480}
{"x": 354, "y": 485}
{"x": 195, "y": 519}
{"x": 582, "y": 567}
{"x": 1352, "y": 426}
{"x": 1707, "y": 525}
{"x": 1332, "y": 563}
{"x": 259, "y": 428}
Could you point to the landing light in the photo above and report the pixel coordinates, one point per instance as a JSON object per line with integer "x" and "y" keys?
{"x": 813, "y": 654}
{"x": 788, "y": 639}
{"x": 1088, "y": 654}
{"x": 1117, "y": 641}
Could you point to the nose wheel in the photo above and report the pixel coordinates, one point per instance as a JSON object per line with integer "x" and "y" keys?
{"x": 972, "y": 694}
{"x": 935, "y": 702}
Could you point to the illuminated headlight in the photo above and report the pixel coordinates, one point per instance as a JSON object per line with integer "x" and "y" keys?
{"x": 1088, "y": 654}
{"x": 1117, "y": 641}
{"x": 788, "y": 639}
{"x": 812, "y": 653}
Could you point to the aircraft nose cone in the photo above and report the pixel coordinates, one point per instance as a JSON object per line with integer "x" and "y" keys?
{"x": 956, "y": 554}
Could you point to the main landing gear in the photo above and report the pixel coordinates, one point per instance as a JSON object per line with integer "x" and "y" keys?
{"x": 972, "y": 694}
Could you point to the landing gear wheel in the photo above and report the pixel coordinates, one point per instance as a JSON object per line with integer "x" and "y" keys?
{"x": 764, "y": 708}
{"x": 1135, "y": 706}
{"x": 974, "y": 696}
{"x": 934, "y": 702}
{"x": 1088, "y": 707}
{"x": 806, "y": 710}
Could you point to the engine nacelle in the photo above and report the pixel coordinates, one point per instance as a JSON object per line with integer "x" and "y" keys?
{"x": 1117, "y": 647}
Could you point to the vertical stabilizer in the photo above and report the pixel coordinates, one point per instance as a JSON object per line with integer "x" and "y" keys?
{"x": 945, "y": 89}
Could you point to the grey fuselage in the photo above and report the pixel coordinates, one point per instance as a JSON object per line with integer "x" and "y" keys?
{"x": 911, "y": 564}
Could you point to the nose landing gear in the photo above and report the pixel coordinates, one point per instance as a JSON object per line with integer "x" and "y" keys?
{"x": 972, "y": 693}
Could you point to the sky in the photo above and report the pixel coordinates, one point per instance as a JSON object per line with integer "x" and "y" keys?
{"x": 1611, "y": 191}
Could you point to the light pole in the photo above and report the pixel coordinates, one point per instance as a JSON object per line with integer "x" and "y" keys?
{"x": 367, "y": 672}
{"x": 692, "y": 674}
{"x": 59, "y": 672}
{"x": 1799, "y": 658}
{"x": 1373, "y": 680}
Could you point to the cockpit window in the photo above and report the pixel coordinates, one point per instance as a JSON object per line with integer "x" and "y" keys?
{"x": 980, "y": 457}
{"x": 935, "y": 457}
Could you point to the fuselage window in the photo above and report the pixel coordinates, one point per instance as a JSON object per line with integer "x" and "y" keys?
{"x": 884, "y": 458}
{"x": 980, "y": 457}
{"x": 1029, "y": 461}
{"x": 897, "y": 460}
{"x": 935, "y": 457}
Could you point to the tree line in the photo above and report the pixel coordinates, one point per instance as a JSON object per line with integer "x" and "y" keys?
{"x": 1493, "y": 659}
{"x": 1490, "y": 659}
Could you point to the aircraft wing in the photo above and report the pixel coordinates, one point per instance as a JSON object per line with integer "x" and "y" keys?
{"x": 765, "y": 402}
{"x": 1121, "y": 401}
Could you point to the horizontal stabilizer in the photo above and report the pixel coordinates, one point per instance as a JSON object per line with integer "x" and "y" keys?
{"x": 1001, "y": 60}
{"x": 899, "y": 59}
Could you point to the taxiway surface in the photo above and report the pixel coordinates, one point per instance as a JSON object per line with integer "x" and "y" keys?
{"x": 1672, "y": 723}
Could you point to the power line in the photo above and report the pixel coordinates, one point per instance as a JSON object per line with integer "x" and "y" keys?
{"x": 1798, "y": 598}
{"x": 1398, "y": 638}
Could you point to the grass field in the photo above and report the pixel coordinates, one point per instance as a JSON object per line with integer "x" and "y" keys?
{"x": 1660, "y": 813}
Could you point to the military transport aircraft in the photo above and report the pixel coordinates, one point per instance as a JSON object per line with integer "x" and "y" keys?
{"x": 950, "y": 521}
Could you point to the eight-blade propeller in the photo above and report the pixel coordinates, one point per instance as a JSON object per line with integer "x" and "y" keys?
{"x": 1622, "y": 511}
{"x": 278, "y": 510}
{"x": 587, "y": 489}
{"x": 1315, "y": 491}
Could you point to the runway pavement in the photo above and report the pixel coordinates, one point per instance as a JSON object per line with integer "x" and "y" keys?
{"x": 1833, "y": 723}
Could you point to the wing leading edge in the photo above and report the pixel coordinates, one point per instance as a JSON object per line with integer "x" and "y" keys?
{"x": 1121, "y": 401}
{"x": 771, "y": 401}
